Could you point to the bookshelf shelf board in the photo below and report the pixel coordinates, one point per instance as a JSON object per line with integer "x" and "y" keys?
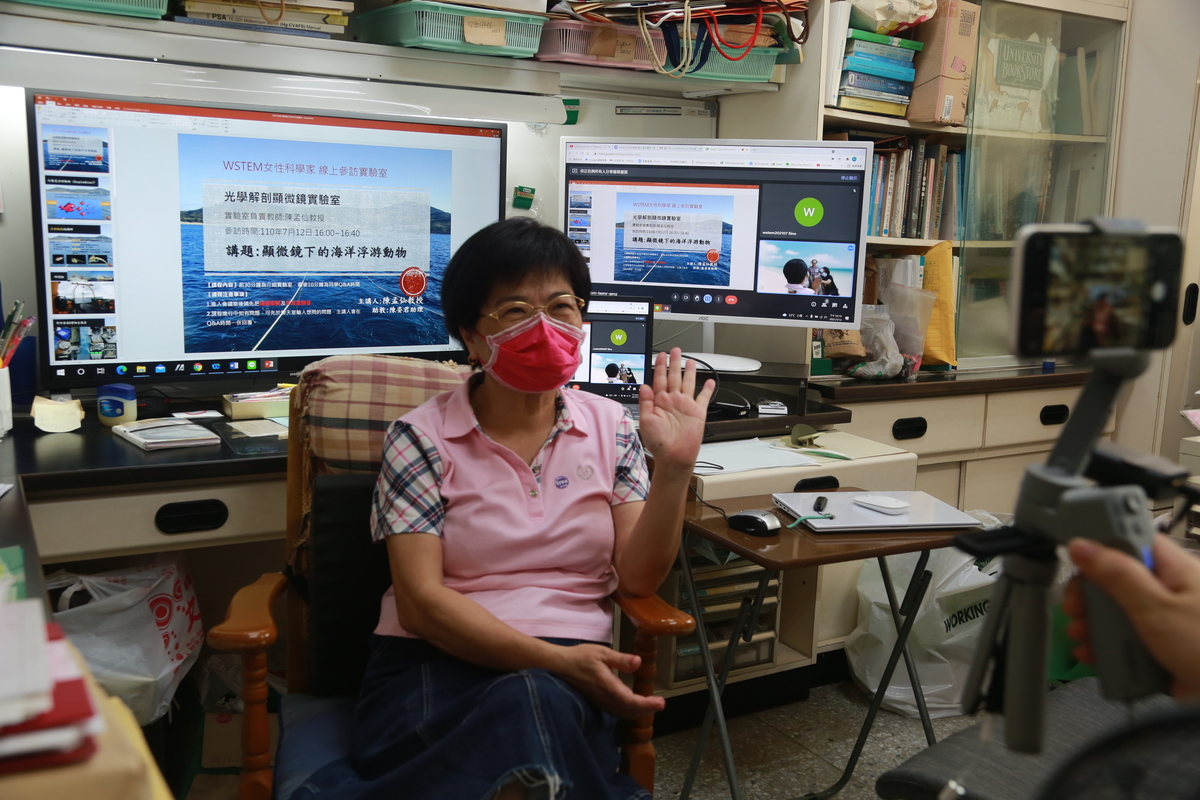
{"x": 895, "y": 241}
{"x": 1066, "y": 138}
{"x": 839, "y": 117}
{"x": 984, "y": 244}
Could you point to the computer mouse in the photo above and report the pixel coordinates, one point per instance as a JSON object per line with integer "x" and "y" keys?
{"x": 755, "y": 522}
{"x": 883, "y": 503}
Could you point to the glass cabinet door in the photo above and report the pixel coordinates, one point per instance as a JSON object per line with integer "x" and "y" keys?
{"x": 1038, "y": 149}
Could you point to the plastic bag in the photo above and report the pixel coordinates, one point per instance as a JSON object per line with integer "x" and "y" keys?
{"x": 889, "y": 16}
{"x": 944, "y": 635}
{"x": 139, "y": 629}
{"x": 879, "y": 338}
{"x": 910, "y": 310}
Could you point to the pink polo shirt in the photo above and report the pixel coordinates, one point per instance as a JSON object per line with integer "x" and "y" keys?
{"x": 533, "y": 544}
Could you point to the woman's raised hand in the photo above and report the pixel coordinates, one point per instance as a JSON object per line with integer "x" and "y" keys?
{"x": 672, "y": 415}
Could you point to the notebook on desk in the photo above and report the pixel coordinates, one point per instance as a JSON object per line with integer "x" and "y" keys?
{"x": 924, "y": 512}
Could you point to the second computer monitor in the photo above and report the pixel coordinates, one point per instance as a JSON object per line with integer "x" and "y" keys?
{"x": 762, "y": 232}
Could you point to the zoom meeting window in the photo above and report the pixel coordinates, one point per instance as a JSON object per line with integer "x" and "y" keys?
{"x": 749, "y": 232}
{"x": 616, "y": 348}
{"x": 200, "y": 240}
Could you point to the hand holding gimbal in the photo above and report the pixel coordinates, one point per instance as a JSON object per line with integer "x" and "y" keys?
{"x": 1057, "y": 501}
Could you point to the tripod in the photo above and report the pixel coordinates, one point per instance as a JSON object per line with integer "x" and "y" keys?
{"x": 1058, "y": 503}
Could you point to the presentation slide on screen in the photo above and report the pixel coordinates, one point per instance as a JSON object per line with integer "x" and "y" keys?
{"x": 277, "y": 232}
{"x": 71, "y": 148}
{"x": 670, "y": 235}
{"x": 186, "y": 231}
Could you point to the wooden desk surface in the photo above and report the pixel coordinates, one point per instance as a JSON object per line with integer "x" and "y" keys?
{"x": 800, "y": 547}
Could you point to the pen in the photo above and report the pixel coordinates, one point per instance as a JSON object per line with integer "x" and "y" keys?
{"x": 15, "y": 340}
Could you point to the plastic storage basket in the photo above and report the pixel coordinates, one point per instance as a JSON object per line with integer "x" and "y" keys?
{"x": 438, "y": 26}
{"x": 154, "y": 9}
{"x": 570, "y": 40}
{"x": 757, "y": 66}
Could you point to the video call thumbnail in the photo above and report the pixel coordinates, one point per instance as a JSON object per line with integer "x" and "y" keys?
{"x": 805, "y": 268}
{"x": 618, "y": 368}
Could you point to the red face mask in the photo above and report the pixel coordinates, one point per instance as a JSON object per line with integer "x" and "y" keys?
{"x": 537, "y": 355}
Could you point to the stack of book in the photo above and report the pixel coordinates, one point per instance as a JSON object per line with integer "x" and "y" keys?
{"x": 156, "y": 434}
{"x": 47, "y": 717}
{"x": 874, "y": 73}
{"x": 916, "y": 189}
{"x": 318, "y": 18}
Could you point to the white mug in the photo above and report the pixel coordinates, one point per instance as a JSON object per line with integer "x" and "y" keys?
{"x": 6, "y": 415}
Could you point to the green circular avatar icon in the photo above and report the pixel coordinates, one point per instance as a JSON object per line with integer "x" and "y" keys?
{"x": 809, "y": 211}
{"x": 618, "y": 337}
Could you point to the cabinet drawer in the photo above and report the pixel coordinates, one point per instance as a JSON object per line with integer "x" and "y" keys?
{"x": 1030, "y": 417}
{"x": 922, "y": 425}
{"x": 124, "y": 522}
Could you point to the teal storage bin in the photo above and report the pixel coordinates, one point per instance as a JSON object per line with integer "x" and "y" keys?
{"x": 439, "y": 26}
{"x": 152, "y": 9}
{"x": 754, "y": 68}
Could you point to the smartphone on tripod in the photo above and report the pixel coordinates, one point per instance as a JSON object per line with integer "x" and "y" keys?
{"x": 1077, "y": 290}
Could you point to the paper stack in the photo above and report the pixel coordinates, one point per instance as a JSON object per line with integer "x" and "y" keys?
{"x": 317, "y": 18}
{"x": 46, "y": 715}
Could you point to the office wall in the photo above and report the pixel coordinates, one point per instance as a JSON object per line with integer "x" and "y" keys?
{"x": 1152, "y": 179}
{"x": 16, "y": 223}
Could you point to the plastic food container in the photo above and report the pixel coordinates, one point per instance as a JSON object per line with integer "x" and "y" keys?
{"x": 579, "y": 42}
{"x": 439, "y": 26}
{"x": 153, "y": 9}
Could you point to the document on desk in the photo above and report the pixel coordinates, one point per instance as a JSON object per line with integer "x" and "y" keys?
{"x": 722, "y": 458}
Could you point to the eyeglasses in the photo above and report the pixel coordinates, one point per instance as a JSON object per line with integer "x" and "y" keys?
{"x": 564, "y": 308}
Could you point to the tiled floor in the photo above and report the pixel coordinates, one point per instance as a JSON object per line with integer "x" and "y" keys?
{"x": 789, "y": 750}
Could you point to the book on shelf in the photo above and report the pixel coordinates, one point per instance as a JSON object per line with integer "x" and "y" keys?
{"x": 290, "y": 25}
{"x": 878, "y": 176}
{"x": 939, "y": 187}
{"x": 900, "y": 205}
{"x": 157, "y": 434}
{"x": 915, "y": 184}
{"x": 950, "y": 207}
{"x": 883, "y": 67}
{"x": 871, "y": 106}
{"x": 242, "y": 26}
{"x": 839, "y": 24}
{"x": 1074, "y": 111}
{"x": 861, "y": 80}
{"x": 871, "y": 94}
{"x": 901, "y": 55}
{"x": 234, "y": 8}
{"x": 889, "y": 195}
{"x": 883, "y": 38}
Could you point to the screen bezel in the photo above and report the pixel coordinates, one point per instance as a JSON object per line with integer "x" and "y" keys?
{"x": 287, "y": 365}
{"x": 1028, "y": 273}
{"x": 662, "y": 294}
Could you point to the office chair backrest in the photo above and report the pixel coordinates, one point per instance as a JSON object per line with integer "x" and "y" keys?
{"x": 341, "y": 409}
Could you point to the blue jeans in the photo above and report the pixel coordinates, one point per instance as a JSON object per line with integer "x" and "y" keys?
{"x": 428, "y": 725}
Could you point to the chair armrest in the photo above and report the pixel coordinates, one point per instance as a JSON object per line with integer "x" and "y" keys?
{"x": 248, "y": 623}
{"x": 654, "y": 616}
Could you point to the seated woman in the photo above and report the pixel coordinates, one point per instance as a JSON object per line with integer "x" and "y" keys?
{"x": 828, "y": 286}
{"x": 512, "y": 509}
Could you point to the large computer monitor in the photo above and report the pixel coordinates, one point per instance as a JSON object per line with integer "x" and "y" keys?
{"x": 720, "y": 230}
{"x": 182, "y": 242}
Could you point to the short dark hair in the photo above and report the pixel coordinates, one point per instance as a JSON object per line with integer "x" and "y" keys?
{"x": 507, "y": 252}
{"x": 795, "y": 270}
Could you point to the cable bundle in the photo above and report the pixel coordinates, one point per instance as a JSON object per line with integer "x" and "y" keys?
{"x": 692, "y": 29}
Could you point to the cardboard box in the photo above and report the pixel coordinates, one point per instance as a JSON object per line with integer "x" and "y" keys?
{"x": 945, "y": 66}
{"x": 254, "y": 409}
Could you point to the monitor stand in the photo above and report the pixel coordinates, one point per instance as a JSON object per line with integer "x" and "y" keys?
{"x": 719, "y": 361}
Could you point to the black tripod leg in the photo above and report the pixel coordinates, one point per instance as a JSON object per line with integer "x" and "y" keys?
{"x": 916, "y": 591}
{"x": 913, "y": 678}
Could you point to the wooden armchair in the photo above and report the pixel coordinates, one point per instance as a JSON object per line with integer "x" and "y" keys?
{"x": 340, "y": 412}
